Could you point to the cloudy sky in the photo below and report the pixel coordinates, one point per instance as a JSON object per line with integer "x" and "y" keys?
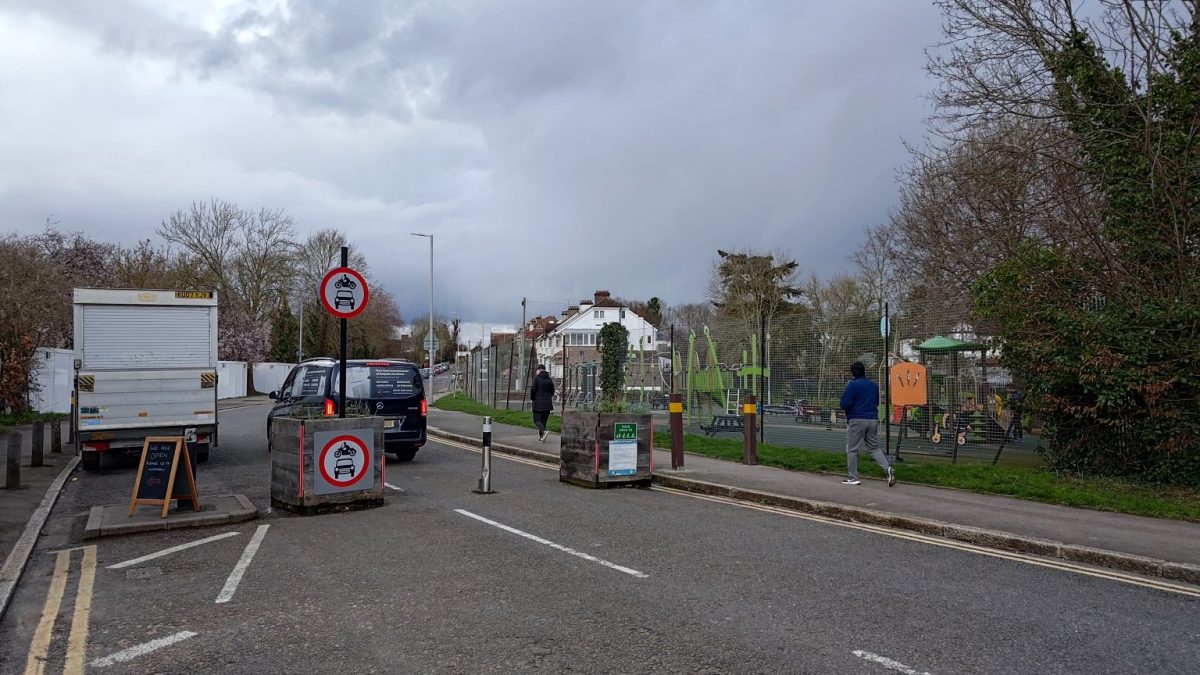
{"x": 552, "y": 147}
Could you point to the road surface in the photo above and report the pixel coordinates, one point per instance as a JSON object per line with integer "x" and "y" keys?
{"x": 547, "y": 577}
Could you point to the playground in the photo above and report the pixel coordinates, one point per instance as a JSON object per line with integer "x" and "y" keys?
{"x": 940, "y": 397}
{"x": 944, "y": 401}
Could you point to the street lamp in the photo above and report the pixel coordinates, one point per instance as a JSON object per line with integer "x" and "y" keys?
{"x": 430, "y": 337}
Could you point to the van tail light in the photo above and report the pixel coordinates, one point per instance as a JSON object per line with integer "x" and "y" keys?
{"x": 98, "y": 446}
{"x": 329, "y": 408}
{"x": 424, "y": 408}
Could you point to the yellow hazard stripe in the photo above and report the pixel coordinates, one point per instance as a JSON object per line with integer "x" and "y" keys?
{"x": 87, "y": 382}
{"x": 749, "y": 408}
{"x": 675, "y": 407}
{"x": 208, "y": 380}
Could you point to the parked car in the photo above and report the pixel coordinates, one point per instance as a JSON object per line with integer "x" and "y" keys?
{"x": 388, "y": 388}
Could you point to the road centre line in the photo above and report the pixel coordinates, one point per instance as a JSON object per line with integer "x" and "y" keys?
{"x": 77, "y": 641}
{"x": 890, "y": 664}
{"x": 1063, "y": 566}
{"x": 235, "y": 577}
{"x": 142, "y": 649}
{"x": 39, "y": 648}
{"x": 173, "y": 549}
{"x": 558, "y": 547}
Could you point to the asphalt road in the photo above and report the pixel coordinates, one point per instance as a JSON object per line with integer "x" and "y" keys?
{"x": 650, "y": 581}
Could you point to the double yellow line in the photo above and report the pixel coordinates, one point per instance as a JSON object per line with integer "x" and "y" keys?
{"x": 39, "y": 649}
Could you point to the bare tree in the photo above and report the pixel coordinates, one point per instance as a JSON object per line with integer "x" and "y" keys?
{"x": 245, "y": 256}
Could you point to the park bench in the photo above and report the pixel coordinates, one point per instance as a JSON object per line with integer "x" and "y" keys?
{"x": 731, "y": 423}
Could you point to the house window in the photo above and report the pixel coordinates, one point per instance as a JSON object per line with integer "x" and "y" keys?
{"x": 599, "y": 314}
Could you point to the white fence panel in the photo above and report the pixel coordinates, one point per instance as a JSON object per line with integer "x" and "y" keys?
{"x": 269, "y": 377}
{"x": 53, "y": 375}
{"x": 231, "y": 379}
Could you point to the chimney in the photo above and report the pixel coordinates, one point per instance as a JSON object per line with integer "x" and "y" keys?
{"x": 601, "y": 296}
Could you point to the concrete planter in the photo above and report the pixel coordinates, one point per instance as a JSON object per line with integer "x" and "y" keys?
{"x": 299, "y": 481}
{"x": 593, "y": 456}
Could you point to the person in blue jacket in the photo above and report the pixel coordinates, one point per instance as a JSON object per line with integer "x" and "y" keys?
{"x": 860, "y": 400}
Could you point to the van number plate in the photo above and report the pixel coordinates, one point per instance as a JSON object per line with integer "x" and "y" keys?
{"x": 392, "y": 424}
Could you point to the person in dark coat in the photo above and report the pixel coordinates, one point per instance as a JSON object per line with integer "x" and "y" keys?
{"x": 542, "y": 395}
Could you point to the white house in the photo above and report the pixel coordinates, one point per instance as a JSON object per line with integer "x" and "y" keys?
{"x": 576, "y": 334}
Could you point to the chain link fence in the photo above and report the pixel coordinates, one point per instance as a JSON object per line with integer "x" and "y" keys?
{"x": 950, "y": 399}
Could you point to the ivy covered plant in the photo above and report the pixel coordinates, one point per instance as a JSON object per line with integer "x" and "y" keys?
{"x": 614, "y": 349}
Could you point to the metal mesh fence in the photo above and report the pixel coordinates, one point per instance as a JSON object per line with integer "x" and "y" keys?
{"x": 951, "y": 400}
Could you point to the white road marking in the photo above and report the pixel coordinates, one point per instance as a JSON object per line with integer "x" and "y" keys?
{"x": 1060, "y": 565}
{"x": 142, "y": 649}
{"x": 393, "y": 487}
{"x": 888, "y": 663}
{"x": 173, "y": 549}
{"x": 559, "y": 547}
{"x": 235, "y": 577}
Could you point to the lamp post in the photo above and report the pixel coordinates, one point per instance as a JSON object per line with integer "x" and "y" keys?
{"x": 429, "y": 338}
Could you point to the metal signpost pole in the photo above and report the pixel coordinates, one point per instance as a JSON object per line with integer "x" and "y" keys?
{"x": 887, "y": 381}
{"x": 342, "y": 374}
{"x": 430, "y": 336}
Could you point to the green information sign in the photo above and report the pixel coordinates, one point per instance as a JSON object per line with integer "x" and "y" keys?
{"x": 626, "y": 431}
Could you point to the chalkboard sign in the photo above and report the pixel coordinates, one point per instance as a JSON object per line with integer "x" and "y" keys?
{"x": 164, "y": 473}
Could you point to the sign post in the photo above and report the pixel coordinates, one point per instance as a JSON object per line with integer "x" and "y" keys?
{"x": 885, "y": 330}
{"x": 344, "y": 294}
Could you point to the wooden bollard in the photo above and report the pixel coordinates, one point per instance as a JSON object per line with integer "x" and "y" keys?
{"x": 12, "y": 467}
{"x": 750, "y": 417}
{"x": 675, "y": 408}
{"x": 39, "y": 444}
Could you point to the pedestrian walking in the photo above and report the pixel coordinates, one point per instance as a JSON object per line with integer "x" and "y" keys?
{"x": 860, "y": 400}
{"x": 542, "y": 395}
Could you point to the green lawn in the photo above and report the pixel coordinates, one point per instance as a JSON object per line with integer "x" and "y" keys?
{"x": 1032, "y": 483}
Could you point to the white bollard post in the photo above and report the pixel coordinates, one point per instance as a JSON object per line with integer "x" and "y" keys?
{"x": 485, "y": 478}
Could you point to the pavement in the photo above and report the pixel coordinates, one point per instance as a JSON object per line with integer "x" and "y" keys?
{"x": 1142, "y": 544}
{"x": 114, "y": 519}
{"x": 544, "y": 576}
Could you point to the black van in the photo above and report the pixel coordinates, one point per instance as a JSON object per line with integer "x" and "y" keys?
{"x": 388, "y": 388}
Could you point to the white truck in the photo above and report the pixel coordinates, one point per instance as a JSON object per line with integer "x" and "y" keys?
{"x": 145, "y": 365}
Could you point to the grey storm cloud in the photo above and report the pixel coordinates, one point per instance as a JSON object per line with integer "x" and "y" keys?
{"x": 552, "y": 148}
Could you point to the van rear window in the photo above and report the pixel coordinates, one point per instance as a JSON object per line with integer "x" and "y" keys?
{"x": 307, "y": 382}
{"x": 381, "y": 381}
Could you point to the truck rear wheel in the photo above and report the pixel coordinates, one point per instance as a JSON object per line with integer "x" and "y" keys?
{"x": 90, "y": 460}
{"x": 202, "y": 453}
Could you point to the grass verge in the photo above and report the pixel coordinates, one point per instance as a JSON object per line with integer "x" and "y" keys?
{"x": 19, "y": 419}
{"x": 1030, "y": 483}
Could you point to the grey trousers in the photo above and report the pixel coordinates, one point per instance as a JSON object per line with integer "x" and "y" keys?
{"x": 858, "y": 434}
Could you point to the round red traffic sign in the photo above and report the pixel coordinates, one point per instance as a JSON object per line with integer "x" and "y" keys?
{"x": 344, "y": 461}
{"x": 344, "y": 292}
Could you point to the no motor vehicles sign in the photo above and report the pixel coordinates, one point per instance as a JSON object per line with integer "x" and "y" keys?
{"x": 344, "y": 292}
{"x": 344, "y": 461}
